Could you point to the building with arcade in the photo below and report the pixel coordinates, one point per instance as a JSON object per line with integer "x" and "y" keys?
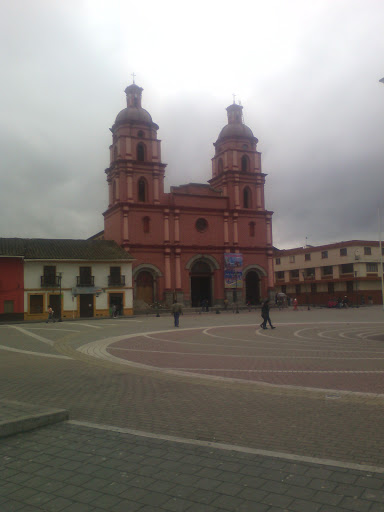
{"x": 182, "y": 240}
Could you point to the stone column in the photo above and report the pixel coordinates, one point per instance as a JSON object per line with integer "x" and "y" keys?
{"x": 235, "y": 229}
{"x": 226, "y": 231}
{"x": 166, "y": 225}
{"x": 125, "y": 226}
{"x": 167, "y": 256}
{"x": 237, "y": 193}
{"x": 110, "y": 192}
{"x": 129, "y": 187}
{"x": 178, "y": 269}
{"x": 259, "y": 199}
{"x": 177, "y": 226}
{"x": 117, "y": 181}
{"x": 156, "y": 188}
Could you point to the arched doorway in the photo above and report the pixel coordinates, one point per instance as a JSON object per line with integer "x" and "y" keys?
{"x": 145, "y": 287}
{"x": 252, "y": 287}
{"x": 201, "y": 283}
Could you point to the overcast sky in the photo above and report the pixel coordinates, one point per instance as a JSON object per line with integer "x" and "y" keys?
{"x": 306, "y": 72}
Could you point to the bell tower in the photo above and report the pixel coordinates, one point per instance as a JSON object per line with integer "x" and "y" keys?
{"x": 136, "y": 173}
{"x": 236, "y": 166}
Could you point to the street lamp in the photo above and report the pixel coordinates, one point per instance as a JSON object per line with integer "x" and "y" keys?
{"x": 237, "y": 303}
{"x": 306, "y": 291}
{"x": 60, "y": 274}
{"x": 357, "y": 293}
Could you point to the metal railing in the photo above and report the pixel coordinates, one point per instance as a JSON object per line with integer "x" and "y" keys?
{"x": 116, "y": 280}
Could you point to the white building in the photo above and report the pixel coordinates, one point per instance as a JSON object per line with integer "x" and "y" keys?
{"x": 78, "y": 278}
{"x": 318, "y": 274}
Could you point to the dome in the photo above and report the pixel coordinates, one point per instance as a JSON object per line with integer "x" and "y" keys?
{"x": 133, "y": 114}
{"x": 236, "y": 130}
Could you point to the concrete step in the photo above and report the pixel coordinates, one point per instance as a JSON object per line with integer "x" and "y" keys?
{"x": 17, "y": 417}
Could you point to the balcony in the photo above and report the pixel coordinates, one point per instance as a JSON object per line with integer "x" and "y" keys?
{"x": 116, "y": 280}
{"x": 50, "y": 281}
{"x": 85, "y": 280}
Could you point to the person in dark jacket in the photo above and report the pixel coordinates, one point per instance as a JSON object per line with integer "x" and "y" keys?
{"x": 265, "y": 315}
{"x": 177, "y": 310}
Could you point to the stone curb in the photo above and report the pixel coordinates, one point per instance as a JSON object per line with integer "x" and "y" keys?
{"x": 32, "y": 421}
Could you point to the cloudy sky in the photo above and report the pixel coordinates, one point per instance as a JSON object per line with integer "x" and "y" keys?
{"x": 306, "y": 72}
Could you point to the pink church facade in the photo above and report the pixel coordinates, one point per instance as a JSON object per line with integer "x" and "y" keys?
{"x": 181, "y": 240}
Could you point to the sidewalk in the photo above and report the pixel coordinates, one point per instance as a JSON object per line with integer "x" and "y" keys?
{"x": 78, "y": 467}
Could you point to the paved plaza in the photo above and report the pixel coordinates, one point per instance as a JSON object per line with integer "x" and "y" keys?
{"x": 216, "y": 415}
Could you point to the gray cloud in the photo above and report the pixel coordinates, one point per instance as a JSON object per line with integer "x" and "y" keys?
{"x": 307, "y": 76}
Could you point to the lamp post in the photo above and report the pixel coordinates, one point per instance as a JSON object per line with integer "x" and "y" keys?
{"x": 306, "y": 292}
{"x": 237, "y": 302}
{"x": 357, "y": 293}
{"x": 60, "y": 274}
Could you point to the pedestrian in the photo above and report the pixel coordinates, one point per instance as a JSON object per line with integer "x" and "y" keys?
{"x": 225, "y": 304}
{"x": 265, "y": 315}
{"x": 249, "y": 305}
{"x": 295, "y": 304}
{"x": 50, "y": 314}
{"x": 114, "y": 311}
{"x": 177, "y": 310}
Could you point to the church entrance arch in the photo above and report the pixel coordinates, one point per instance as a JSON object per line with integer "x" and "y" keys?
{"x": 145, "y": 287}
{"x": 201, "y": 283}
{"x": 252, "y": 287}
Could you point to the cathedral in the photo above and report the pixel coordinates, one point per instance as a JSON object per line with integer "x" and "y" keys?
{"x": 199, "y": 243}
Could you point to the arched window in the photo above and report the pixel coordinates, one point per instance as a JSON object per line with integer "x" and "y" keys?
{"x": 140, "y": 152}
{"x": 115, "y": 152}
{"x": 142, "y": 190}
{"x": 140, "y": 133}
{"x": 220, "y": 165}
{"x": 247, "y": 198}
{"x": 251, "y": 229}
{"x": 146, "y": 224}
{"x": 244, "y": 163}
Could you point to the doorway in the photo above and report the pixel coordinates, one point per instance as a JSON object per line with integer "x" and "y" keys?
{"x": 201, "y": 281}
{"x": 116, "y": 299}
{"x": 145, "y": 287}
{"x": 55, "y": 303}
{"x": 86, "y": 305}
{"x": 252, "y": 287}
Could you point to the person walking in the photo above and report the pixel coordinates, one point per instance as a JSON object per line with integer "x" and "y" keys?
{"x": 295, "y": 304}
{"x": 265, "y": 315}
{"x": 177, "y": 310}
{"x": 50, "y": 314}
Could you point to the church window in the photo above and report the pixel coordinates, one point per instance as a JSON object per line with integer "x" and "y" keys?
{"x": 251, "y": 229}
{"x": 220, "y": 165}
{"x": 246, "y": 198}
{"x": 114, "y": 191}
{"x": 140, "y": 152}
{"x": 140, "y": 134}
{"x": 146, "y": 224}
{"x": 244, "y": 163}
{"x": 142, "y": 190}
{"x": 115, "y": 152}
{"x": 135, "y": 102}
{"x": 201, "y": 225}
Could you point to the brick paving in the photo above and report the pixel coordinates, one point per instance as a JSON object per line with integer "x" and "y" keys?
{"x": 248, "y": 353}
{"x": 293, "y": 421}
{"x": 69, "y": 467}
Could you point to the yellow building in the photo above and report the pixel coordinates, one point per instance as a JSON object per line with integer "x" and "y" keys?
{"x": 316, "y": 275}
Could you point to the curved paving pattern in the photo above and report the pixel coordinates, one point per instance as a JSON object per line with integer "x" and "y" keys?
{"x": 340, "y": 356}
